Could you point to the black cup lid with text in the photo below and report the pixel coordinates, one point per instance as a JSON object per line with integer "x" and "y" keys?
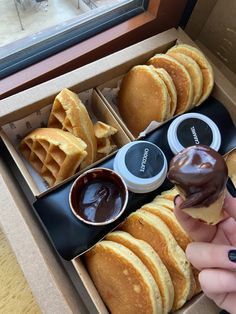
{"x": 142, "y": 165}
{"x": 193, "y": 129}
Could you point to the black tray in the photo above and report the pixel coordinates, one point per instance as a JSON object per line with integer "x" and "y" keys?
{"x": 72, "y": 237}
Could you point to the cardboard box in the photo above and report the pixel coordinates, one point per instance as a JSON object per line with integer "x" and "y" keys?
{"x": 212, "y": 26}
{"x": 17, "y": 218}
{"x": 15, "y": 130}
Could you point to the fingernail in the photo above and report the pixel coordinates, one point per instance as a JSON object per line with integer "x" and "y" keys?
{"x": 175, "y": 198}
{"x": 232, "y": 255}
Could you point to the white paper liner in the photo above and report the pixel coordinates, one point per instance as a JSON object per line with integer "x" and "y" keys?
{"x": 17, "y": 130}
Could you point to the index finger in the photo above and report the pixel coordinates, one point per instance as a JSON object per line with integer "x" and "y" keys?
{"x": 196, "y": 229}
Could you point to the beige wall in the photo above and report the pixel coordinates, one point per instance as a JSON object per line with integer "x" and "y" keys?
{"x": 213, "y": 24}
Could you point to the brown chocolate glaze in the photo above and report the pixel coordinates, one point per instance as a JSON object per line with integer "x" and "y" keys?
{"x": 200, "y": 173}
{"x": 98, "y": 197}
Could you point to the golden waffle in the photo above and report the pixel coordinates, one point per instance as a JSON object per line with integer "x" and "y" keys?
{"x": 180, "y": 77}
{"x": 69, "y": 114}
{"x": 152, "y": 261}
{"x": 54, "y": 153}
{"x": 105, "y": 146}
{"x": 142, "y": 98}
{"x": 150, "y": 228}
{"x": 103, "y": 130}
{"x": 194, "y": 71}
{"x": 123, "y": 281}
{"x": 103, "y": 133}
{"x": 207, "y": 72}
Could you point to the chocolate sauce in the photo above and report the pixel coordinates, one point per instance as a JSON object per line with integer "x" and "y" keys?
{"x": 200, "y": 173}
{"x": 98, "y": 197}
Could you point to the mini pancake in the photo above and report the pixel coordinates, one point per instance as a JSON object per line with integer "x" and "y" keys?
{"x": 231, "y": 164}
{"x": 194, "y": 71}
{"x": 180, "y": 77}
{"x": 205, "y": 66}
{"x": 169, "y": 219}
{"x": 142, "y": 98}
{"x": 152, "y": 261}
{"x": 169, "y": 194}
{"x": 150, "y": 228}
{"x": 171, "y": 89}
{"x": 160, "y": 200}
{"x": 198, "y": 288}
{"x": 177, "y": 231}
{"x": 123, "y": 281}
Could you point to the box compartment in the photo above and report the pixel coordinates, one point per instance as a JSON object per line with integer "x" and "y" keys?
{"x": 13, "y": 131}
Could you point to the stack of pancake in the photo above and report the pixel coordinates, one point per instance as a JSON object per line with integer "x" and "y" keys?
{"x": 69, "y": 143}
{"x": 167, "y": 85}
{"x": 141, "y": 267}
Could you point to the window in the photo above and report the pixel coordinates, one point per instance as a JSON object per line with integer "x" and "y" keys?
{"x": 45, "y": 27}
{"x": 159, "y": 16}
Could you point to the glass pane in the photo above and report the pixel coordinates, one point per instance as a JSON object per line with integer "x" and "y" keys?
{"x": 22, "y": 18}
{"x": 31, "y": 30}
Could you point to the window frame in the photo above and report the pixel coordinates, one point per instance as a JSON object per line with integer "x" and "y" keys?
{"x": 159, "y": 16}
{"x": 32, "y": 49}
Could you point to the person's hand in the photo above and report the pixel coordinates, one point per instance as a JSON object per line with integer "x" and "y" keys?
{"x": 214, "y": 253}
